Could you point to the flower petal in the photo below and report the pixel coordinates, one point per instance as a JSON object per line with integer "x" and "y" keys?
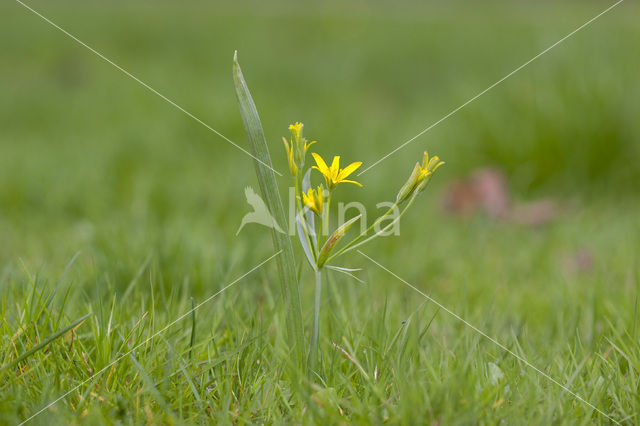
{"x": 335, "y": 166}
{"x": 322, "y": 166}
{"x": 307, "y": 145}
{"x": 349, "y": 169}
{"x": 425, "y": 159}
{"x": 352, "y": 181}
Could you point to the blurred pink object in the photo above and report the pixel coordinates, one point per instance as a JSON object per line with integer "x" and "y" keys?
{"x": 486, "y": 191}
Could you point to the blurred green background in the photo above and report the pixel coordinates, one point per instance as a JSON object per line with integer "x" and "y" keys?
{"x": 83, "y": 146}
{"x": 86, "y": 153}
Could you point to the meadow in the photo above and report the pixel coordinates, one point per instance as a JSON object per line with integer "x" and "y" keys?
{"x": 115, "y": 203}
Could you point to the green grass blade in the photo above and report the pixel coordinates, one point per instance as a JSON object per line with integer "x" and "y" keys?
{"x": 45, "y": 342}
{"x": 150, "y": 385}
{"x": 269, "y": 189}
{"x": 192, "y": 341}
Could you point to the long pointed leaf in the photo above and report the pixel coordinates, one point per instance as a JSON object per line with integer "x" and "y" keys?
{"x": 269, "y": 188}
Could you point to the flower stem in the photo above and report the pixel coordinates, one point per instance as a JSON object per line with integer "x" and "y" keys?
{"x": 380, "y": 232}
{"x": 303, "y": 219}
{"x": 352, "y": 245}
{"x": 363, "y": 234}
{"x": 324, "y": 225}
{"x": 313, "y": 348}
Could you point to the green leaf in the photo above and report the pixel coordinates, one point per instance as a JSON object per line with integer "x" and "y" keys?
{"x": 269, "y": 189}
{"x": 303, "y": 241}
{"x": 346, "y": 271}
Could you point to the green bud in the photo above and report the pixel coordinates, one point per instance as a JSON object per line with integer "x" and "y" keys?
{"x": 419, "y": 178}
{"x": 409, "y": 186}
{"x": 333, "y": 240}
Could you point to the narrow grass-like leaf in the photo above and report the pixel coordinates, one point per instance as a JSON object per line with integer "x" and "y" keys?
{"x": 192, "y": 341}
{"x": 45, "y": 342}
{"x": 148, "y": 382}
{"x": 269, "y": 189}
{"x": 192, "y": 385}
{"x": 60, "y": 280}
{"x": 346, "y": 271}
{"x": 303, "y": 241}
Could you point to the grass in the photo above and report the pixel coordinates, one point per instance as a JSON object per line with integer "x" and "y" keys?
{"x": 406, "y": 359}
{"x": 91, "y": 163}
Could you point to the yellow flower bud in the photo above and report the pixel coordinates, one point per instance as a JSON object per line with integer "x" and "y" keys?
{"x": 314, "y": 199}
{"x": 409, "y": 186}
{"x": 420, "y": 177}
{"x": 296, "y": 148}
{"x": 292, "y": 165}
{"x": 296, "y": 131}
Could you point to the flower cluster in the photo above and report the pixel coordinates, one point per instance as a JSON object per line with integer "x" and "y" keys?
{"x": 317, "y": 241}
{"x": 296, "y": 148}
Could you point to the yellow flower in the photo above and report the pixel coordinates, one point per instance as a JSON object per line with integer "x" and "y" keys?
{"x": 296, "y": 130}
{"x": 419, "y": 177}
{"x": 430, "y": 165}
{"x": 314, "y": 199}
{"x": 334, "y": 175}
{"x": 292, "y": 165}
{"x": 296, "y": 148}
